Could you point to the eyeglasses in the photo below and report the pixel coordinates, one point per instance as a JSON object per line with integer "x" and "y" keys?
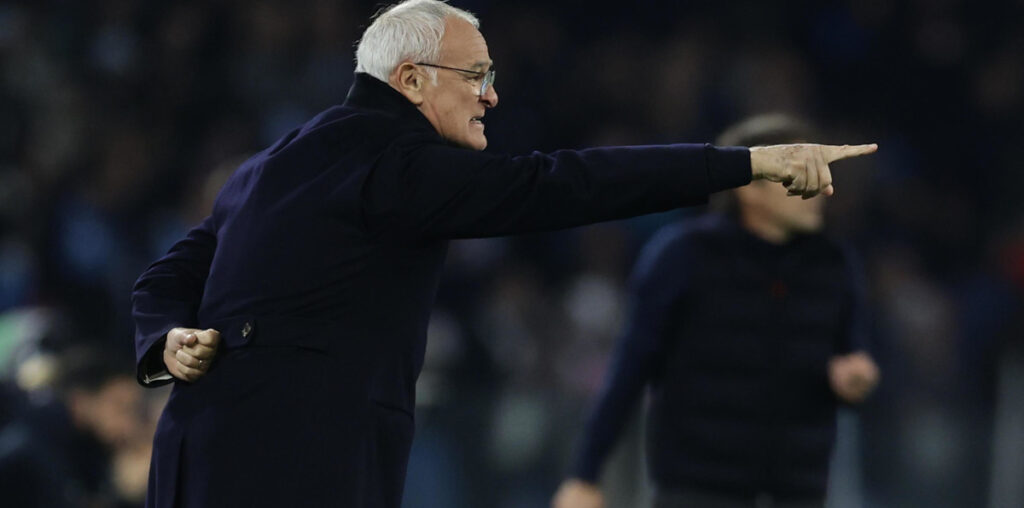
{"x": 486, "y": 77}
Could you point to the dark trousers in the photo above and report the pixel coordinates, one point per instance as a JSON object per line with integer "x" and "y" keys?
{"x": 695, "y": 498}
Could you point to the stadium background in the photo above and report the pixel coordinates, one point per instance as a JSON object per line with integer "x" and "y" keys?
{"x": 119, "y": 118}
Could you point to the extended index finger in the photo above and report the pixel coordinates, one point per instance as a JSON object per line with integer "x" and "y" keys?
{"x": 834, "y": 152}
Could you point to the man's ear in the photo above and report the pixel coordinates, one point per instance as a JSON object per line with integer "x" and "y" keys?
{"x": 409, "y": 81}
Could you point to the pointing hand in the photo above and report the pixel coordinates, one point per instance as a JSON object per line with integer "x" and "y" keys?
{"x": 802, "y": 168}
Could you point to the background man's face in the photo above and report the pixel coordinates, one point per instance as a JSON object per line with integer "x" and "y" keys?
{"x": 790, "y": 213}
{"x": 454, "y": 106}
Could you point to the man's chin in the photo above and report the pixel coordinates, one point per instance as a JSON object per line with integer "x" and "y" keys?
{"x": 475, "y": 143}
{"x": 808, "y": 226}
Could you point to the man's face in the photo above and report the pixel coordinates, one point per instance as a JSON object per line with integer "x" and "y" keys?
{"x": 453, "y": 105}
{"x": 788, "y": 213}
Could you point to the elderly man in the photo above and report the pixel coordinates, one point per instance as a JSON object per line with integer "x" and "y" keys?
{"x": 748, "y": 328}
{"x": 293, "y": 319}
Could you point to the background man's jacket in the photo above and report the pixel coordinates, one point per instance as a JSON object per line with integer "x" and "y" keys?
{"x": 732, "y": 336}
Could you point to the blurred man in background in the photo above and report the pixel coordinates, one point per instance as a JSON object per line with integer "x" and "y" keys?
{"x": 61, "y": 451}
{"x": 748, "y": 327}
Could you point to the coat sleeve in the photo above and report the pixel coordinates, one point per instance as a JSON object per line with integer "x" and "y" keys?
{"x": 167, "y": 295}
{"x": 435, "y": 191}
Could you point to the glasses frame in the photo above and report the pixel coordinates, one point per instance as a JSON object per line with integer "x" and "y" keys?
{"x": 486, "y": 77}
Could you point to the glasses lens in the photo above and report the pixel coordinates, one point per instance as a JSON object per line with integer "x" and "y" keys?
{"x": 487, "y": 82}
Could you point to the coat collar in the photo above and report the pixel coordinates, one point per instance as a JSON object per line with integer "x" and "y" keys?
{"x": 370, "y": 93}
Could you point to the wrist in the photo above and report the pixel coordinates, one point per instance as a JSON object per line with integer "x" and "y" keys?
{"x": 756, "y": 162}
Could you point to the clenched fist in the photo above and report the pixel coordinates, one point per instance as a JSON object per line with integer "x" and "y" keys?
{"x": 853, "y": 376}
{"x": 575, "y": 493}
{"x": 802, "y": 168}
{"x": 189, "y": 352}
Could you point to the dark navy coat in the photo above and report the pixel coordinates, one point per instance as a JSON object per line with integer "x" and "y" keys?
{"x": 319, "y": 266}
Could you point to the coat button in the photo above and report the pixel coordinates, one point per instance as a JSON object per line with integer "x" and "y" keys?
{"x": 246, "y": 329}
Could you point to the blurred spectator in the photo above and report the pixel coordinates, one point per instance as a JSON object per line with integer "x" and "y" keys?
{"x": 59, "y": 451}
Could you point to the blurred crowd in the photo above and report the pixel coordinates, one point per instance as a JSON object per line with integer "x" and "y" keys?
{"x": 119, "y": 120}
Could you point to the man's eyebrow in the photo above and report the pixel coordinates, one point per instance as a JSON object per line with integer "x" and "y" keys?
{"x": 482, "y": 65}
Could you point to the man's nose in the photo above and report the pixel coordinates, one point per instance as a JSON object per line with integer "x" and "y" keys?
{"x": 490, "y": 97}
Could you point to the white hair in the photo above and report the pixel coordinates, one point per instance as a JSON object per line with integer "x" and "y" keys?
{"x": 409, "y": 30}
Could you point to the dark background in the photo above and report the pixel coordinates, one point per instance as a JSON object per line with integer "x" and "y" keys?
{"x": 119, "y": 119}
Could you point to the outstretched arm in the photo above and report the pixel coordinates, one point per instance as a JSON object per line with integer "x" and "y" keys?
{"x": 427, "y": 190}
{"x": 423, "y": 189}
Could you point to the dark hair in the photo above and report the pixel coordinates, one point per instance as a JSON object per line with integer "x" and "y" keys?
{"x": 760, "y": 130}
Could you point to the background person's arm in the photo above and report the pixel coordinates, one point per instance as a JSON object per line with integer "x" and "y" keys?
{"x": 853, "y": 373}
{"x": 659, "y": 281}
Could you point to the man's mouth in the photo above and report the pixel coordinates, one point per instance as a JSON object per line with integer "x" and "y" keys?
{"x": 477, "y": 119}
